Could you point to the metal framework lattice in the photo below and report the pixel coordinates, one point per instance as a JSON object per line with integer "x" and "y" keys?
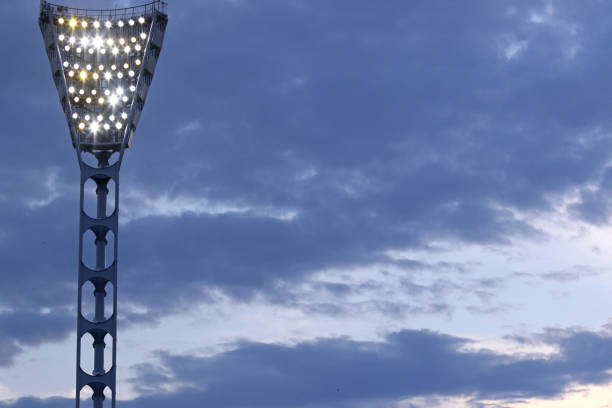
{"x": 102, "y": 63}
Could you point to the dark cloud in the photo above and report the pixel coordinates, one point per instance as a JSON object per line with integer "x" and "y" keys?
{"x": 23, "y": 328}
{"x": 341, "y": 372}
{"x": 384, "y": 127}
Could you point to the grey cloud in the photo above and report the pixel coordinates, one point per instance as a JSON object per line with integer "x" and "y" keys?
{"x": 416, "y": 128}
{"x": 341, "y": 372}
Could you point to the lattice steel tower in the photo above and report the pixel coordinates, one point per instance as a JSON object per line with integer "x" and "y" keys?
{"x": 102, "y": 62}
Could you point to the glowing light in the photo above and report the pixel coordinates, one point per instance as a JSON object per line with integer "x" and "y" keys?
{"x": 111, "y": 118}
{"x": 124, "y": 116}
{"x": 131, "y": 73}
{"x": 106, "y": 92}
{"x": 101, "y": 102}
{"x": 88, "y": 100}
{"x": 113, "y": 67}
{"x": 112, "y": 100}
{"x": 122, "y": 41}
{"x": 66, "y": 64}
{"x": 83, "y": 75}
{"x": 71, "y": 89}
{"x": 72, "y": 40}
{"x": 82, "y": 92}
{"x": 84, "y": 41}
{"x": 96, "y": 24}
{"x": 94, "y": 127}
{"x": 132, "y": 88}
{"x": 73, "y": 22}
{"x": 93, "y": 92}
{"x": 133, "y": 39}
{"x": 119, "y": 125}
{"x": 115, "y": 50}
{"x": 137, "y": 62}
{"x": 138, "y": 47}
{"x": 103, "y": 51}
{"x": 119, "y": 91}
{"x": 67, "y": 48}
{"x": 120, "y": 23}
{"x": 76, "y": 99}
{"x": 126, "y": 66}
{"x": 131, "y": 22}
{"x": 98, "y": 42}
{"x": 119, "y": 75}
{"x": 127, "y": 49}
{"x": 106, "y": 126}
{"x": 110, "y": 42}
{"x": 108, "y": 76}
{"x": 79, "y": 49}
{"x": 61, "y": 20}
{"x": 84, "y": 24}
{"x": 91, "y": 50}
{"x": 88, "y": 67}
{"x": 61, "y": 37}
{"x": 71, "y": 74}
{"x": 108, "y": 24}
{"x": 143, "y": 36}
{"x": 87, "y": 117}
{"x": 125, "y": 99}
{"x": 96, "y": 76}
{"x": 76, "y": 66}
{"x": 81, "y": 125}
{"x": 74, "y": 116}
{"x": 141, "y": 20}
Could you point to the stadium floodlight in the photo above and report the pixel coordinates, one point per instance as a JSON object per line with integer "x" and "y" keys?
{"x": 102, "y": 62}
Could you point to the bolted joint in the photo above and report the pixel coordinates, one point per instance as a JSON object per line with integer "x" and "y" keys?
{"x": 103, "y": 156}
{"x": 101, "y": 189}
{"x": 98, "y": 336}
{"x": 102, "y": 184}
{"x": 100, "y": 291}
{"x": 98, "y": 391}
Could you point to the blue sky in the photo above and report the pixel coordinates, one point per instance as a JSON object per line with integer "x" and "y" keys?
{"x": 330, "y": 204}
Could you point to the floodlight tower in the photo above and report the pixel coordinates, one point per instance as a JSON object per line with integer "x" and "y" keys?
{"x": 102, "y": 62}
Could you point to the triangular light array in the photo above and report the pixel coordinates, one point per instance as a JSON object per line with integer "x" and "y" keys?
{"x": 103, "y": 63}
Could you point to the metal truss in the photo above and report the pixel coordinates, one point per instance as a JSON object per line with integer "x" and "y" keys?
{"x": 102, "y": 63}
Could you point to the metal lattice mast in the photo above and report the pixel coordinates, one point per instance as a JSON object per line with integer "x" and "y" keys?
{"x": 102, "y": 62}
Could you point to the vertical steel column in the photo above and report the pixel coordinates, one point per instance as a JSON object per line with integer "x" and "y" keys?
{"x": 101, "y": 328}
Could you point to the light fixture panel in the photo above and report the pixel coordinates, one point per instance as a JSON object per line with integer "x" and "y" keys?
{"x": 103, "y": 63}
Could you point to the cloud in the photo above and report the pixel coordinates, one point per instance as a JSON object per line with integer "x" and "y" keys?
{"x": 138, "y": 205}
{"x": 27, "y": 328}
{"x": 339, "y": 372}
